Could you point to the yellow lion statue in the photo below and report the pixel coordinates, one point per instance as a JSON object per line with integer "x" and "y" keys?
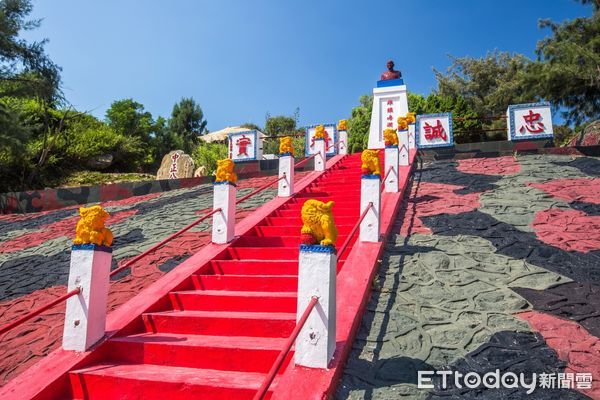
{"x": 225, "y": 171}
{"x": 317, "y": 223}
{"x": 402, "y": 124}
{"x": 320, "y": 132}
{"x": 411, "y": 117}
{"x": 370, "y": 162}
{"x": 90, "y": 227}
{"x": 285, "y": 145}
{"x": 342, "y": 125}
{"x": 390, "y": 137}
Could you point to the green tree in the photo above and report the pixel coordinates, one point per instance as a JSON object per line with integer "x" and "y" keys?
{"x": 207, "y": 155}
{"x": 280, "y": 125}
{"x": 567, "y": 71}
{"x": 359, "y": 124}
{"x": 128, "y": 117}
{"x": 164, "y": 140}
{"x": 187, "y": 121}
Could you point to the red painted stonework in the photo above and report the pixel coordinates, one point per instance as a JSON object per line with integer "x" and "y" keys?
{"x": 570, "y": 230}
{"x": 64, "y": 227}
{"x": 431, "y": 199}
{"x": 489, "y": 166}
{"x": 572, "y": 343}
{"x": 575, "y": 189}
{"x": 132, "y": 200}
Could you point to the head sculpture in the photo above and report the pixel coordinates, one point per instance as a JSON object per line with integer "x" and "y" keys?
{"x": 318, "y": 226}
{"x": 225, "y": 171}
{"x": 320, "y": 132}
{"x": 411, "y": 117}
{"x": 285, "y": 145}
{"x": 370, "y": 162}
{"x": 342, "y": 125}
{"x": 90, "y": 228}
{"x": 390, "y": 137}
{"x": 402, "y": 124}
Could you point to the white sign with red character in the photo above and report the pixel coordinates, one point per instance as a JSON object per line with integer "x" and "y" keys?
{"x": 330, "y": 139}
{"x": 529, "y": 121}
{"x": 434, "y": 130}
{"x": 244, "y": 146}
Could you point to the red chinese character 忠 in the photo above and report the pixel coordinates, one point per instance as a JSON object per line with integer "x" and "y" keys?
{"x": 434, "y": 132}
{"x": 532, "y": 123}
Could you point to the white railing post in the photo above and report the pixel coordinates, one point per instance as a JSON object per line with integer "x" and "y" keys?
{"x": 316, "y": 277}
{"x": 391, "y": 162}
{"x": 403, "y": 143}
{"x": 223, "y": 222}
{"x": 320, "y": 158}
{"x": 343, "y": 142}
{"x": 370, "y": 192}
{"x": 85, "y": 315}
{"x": 286, "y": 171}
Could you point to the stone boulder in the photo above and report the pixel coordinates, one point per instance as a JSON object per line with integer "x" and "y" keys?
{"x": 176, "y": 165}
{"x": 590, "y": 136}
{"x": 201, "y": 171}
{"x": 100, "y": 162}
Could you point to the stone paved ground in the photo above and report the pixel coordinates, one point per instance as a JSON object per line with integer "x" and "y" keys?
{"x": 34, "y": 259}
{"x": 495, "y": 264}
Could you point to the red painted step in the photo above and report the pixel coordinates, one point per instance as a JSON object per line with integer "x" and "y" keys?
{"x": 257, "y": 283}
{"x": 259, "y": 253}
{"x": 159, "y": 382}
{"x": 234, "y": 353}
{"x": 226, "y": 323}
{"x": 297, "y": 221}
{"x": 223, "y": 300}
{"x": 252, "y": 267}
{"x": 280, "y": 241}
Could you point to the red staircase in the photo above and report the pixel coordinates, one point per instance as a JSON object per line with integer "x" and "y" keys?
{"x": 218, "y": 334}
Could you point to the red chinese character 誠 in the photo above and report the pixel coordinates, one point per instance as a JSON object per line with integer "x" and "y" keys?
{"x": 435, "y": 132}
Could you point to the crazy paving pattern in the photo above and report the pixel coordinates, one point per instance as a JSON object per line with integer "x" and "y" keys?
{"x": 495, "y": 264}
{"x": 35, "y": 256}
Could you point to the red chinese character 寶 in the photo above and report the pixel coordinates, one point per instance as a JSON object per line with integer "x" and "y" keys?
{"x": 242, "y": 144}
{"x": 434, "y": 132}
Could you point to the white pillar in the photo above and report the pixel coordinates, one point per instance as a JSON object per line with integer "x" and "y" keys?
{"x": 343, "y": 142}
{"x": 85, "y": 315}
{"x": 320, "y": 158}
{"x": 315, "y": 344}
{"x": 403, "y": 157}
{"x": 412, "y": 143}
{"x": 370, "y": 192}
{"x": 286, "y": 168}
{"x": 223, "y": 223}
{"x": 391, "y": 161}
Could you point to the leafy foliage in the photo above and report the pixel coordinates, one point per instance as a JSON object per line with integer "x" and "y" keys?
{"x": 207, "y": 154}
{"x": 187, "y": 121}
{"x": 359, "y": 124}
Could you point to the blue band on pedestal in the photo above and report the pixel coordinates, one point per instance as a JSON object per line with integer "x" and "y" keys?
{"x": 391, "y": 146}
{"x": 91, "y": 246}
{"x": 390, "y": 82}
{"x": 404, "y": 131}
{"x": 318, "y": 248}
{"x": 319, "y": 138}
{"x": 225, "y": 183}
{"x": 286, "y": 154}
{"x": 371, "y": 176}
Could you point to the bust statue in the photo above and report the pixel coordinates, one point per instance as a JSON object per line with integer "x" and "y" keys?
{"x": 390, "y": 73}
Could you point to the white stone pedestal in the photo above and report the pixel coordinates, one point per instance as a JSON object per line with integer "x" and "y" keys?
{"x": 412, "y": 142}
{"x": 370, "y": 192}
{"x": 286, "y": 168}
{"x": 85, "y": 315}
{"x": 320, "y": 158}
{"x": 403, "y": 143}
{"x": 391, "y": 161}
{"x": 343, "y": 142}
{"x": 223, "y": 223}
{"x": 316, "y": 277}
{"x": 389, "y": 103}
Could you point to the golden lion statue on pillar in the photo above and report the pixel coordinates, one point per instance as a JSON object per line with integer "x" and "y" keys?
{"x": 285, "y": 145}
{"x": 318, "y": 226}
{"x": 342, "y": 125}
{"x": 90, "y": 227}
{"x": 411, "y": 117}
{"x": 320, "y": 132}
{"x": 402, "y": 124}
{"x": 225, "y": 171}
{"x": 390, "y": 137}
{"x": 370, "y": 162}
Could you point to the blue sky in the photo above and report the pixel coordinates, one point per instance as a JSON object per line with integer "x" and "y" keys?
{"x": 241, "y": 59}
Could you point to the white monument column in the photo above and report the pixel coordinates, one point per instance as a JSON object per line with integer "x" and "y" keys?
{"x": 412, "y": 129}
{"x": 391, "y": 161}
{"x": 223, "y": 222}
{"x": 343, "y": 142}
{"x": 321, "y": 156}
{"x": 389, "y": 103}
{"x": 85, "y": 315}
{"x": 370, "y": 192}
{"x": 403, "y": 143}
{"x": 315, "y": 344}
{"x": 286, "y": 170}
